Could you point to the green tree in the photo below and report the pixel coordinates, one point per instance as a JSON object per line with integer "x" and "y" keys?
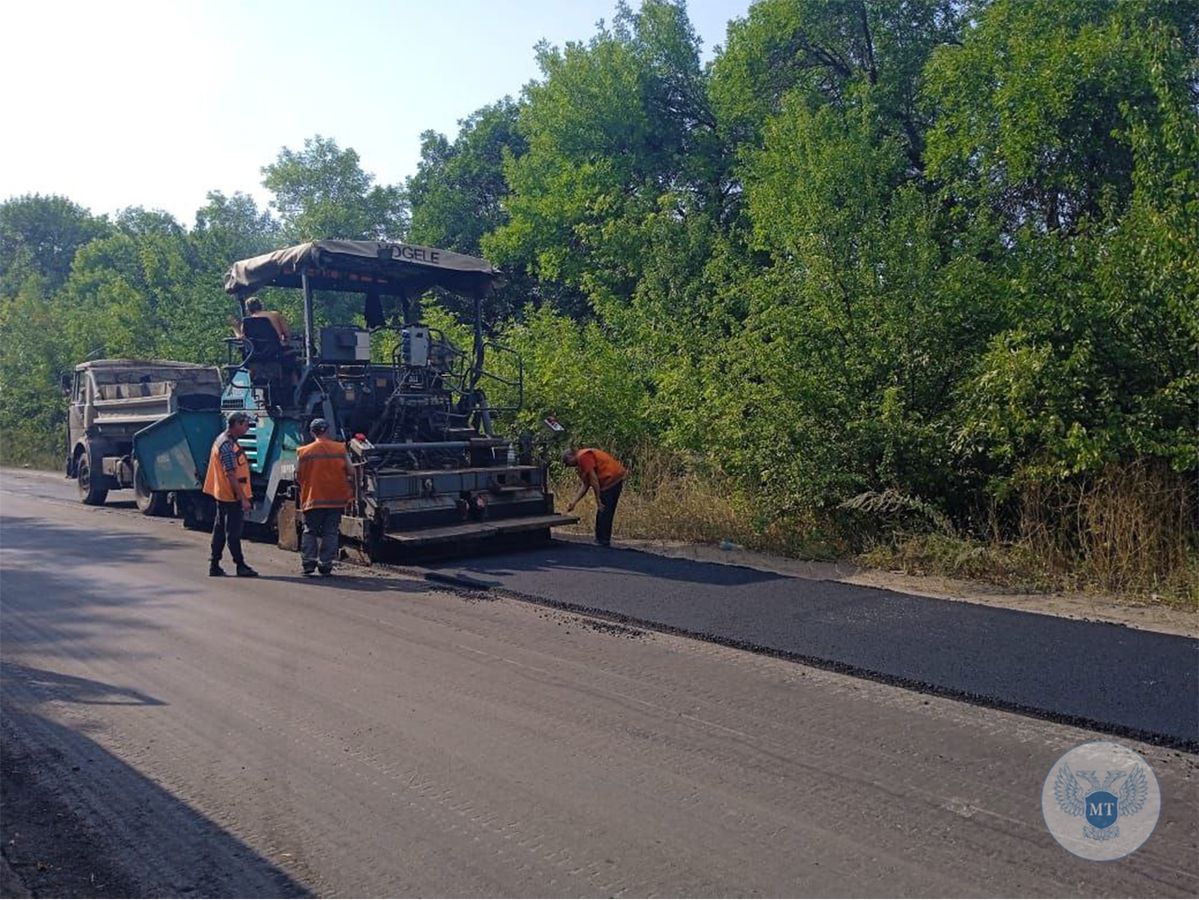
{"x": 579, "y": 373}
{"x": 231, "y": 228}
{"x": 458, "y": 190}
{"x": 858, "y": 319}
{"x": 614, "y": 125}
{"x": 1070, "y": 131}
{"x": 39, "y": 236}
{"x": 818, "y": 52}
{"x": 128, "y": 292}
{"x": 457, "y": 197}
{"x": 323, "y": 192}
{"x": 32, "y": 358}
{"x": 1037, "y": 102}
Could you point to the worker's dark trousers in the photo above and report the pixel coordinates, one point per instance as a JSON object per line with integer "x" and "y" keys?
{"x": 318, "y": 544}
{"x": 227, "y": 528}
{"x": 603, "y": 520}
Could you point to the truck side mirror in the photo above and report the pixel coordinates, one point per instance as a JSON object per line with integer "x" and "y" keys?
{"x": 64, "y": 383}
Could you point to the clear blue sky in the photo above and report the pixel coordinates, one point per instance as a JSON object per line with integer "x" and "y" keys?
{"x": 127, "y": 103}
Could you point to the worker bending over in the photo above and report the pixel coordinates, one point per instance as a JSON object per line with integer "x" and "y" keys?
{"x": 602, "y": 473}
{"x": 326, "y": 479}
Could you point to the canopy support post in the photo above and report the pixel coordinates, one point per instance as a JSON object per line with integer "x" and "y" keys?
{"x": 307, "y": 318}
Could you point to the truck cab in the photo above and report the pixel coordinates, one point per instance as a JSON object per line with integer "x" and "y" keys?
{"x": 111, "y": 400}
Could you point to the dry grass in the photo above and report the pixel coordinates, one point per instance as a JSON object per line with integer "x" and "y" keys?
{"x": 1129, "y": 533}
{"x": 1130, "y": 530}
{"x": 1011, "y": 566}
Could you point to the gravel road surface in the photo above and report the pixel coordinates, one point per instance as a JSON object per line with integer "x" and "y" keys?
{"x": 166, "y": 733}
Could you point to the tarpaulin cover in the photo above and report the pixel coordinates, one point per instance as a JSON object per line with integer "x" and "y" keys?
{"x": 364, "y": 267}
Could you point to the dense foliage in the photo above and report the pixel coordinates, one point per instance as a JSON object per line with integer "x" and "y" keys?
{"x": 947, "y": 249}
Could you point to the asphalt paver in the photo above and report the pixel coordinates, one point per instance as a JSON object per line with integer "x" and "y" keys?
{"x": 1119, "y": 679}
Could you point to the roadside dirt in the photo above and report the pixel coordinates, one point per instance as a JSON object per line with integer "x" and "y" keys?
{"x": 1087, "y": 607}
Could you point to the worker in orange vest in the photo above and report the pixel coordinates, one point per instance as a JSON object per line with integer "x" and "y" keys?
{"x": 600, "y": 472}
{"x": 228, "y": 482}
{"x": 326, "y": 479}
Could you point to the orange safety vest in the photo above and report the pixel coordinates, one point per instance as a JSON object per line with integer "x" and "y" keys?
{"x": 216, "y": 481}
{"x": 323, "y": 472}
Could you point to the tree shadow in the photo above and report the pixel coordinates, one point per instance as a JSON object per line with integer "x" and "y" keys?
{"x": 46, "y": 542}
{"x": 51, "y": 604}
{"x": 27, "y": 685}
{"x": 78, "y": 821}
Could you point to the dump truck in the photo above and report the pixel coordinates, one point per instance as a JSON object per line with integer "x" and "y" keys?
{"x": 139, "y": 424}
{"x": 432, "y": 475}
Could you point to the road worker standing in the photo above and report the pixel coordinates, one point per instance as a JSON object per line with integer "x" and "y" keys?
{"x": 602, "y": 473}
{"x": 326, "y": 479}
{"x": 228, "y": 482}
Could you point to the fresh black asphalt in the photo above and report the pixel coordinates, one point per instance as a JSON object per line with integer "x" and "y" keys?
{"x": 1139, "y": 683}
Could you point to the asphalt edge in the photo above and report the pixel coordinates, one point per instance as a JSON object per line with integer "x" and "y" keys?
{"x": 466, "y": 586}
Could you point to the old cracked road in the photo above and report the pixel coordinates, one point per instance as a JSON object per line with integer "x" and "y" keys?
{"x": 164, "y": 733}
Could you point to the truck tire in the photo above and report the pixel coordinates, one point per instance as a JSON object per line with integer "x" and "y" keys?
{"x": 151, "y": 503}
{"x": 197, "y": 508}
{"x": 88, "y": 492}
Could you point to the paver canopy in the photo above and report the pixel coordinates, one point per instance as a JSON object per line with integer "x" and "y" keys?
{"x": 363, "y": 267}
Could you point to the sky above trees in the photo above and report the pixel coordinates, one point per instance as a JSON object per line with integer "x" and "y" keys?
{"x": 154, "y": 104}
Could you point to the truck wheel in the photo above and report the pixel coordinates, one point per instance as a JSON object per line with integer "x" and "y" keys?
{"x": 88, "y": 493}
{"x": 197, "y": 510}
{"x": 151, "y": 503}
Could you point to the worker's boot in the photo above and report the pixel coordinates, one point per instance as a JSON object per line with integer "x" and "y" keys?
{"x": 244, "y": 571}
{"x": 215, "y": 570}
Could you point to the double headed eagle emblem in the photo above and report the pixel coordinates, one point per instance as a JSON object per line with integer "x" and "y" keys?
{"x": 1084, "y": 794}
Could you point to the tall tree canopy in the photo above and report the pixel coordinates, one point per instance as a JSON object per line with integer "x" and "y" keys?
{"x": 323, "y": 192}
{"x": 39, "y": 236}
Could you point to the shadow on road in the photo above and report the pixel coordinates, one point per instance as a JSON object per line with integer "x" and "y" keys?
{"x": 26, "y": 685}
{"x": 44, "y": 541}
{"x": 79, "y": 822}
{"x": 51, "y": 605}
